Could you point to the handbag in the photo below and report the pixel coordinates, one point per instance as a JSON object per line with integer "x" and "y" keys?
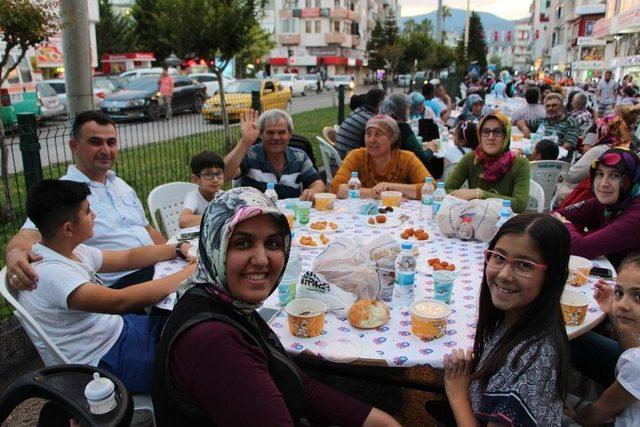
{"x": 469, "y": 219}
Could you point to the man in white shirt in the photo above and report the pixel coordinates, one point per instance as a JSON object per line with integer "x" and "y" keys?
{"x": 120, "y": 219}
{"x": 606, "y": 93}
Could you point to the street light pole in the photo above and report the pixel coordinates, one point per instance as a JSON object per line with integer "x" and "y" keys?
{"x": 439, "y": 23}
{"x": 466, "y": 31}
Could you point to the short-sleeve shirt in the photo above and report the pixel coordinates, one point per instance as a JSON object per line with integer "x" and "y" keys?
{"x": 434, "y": 105}
{"x": 628, "y": 375}
{"x": 567, "y": 129}
{"x": 520, "y": 395}
{"x": 81, "y": 336}
{"x": 351, "y": 132}
{"x": 607, "y": 91}
{"x": 298, "y": 173}
{"x": 196, "y": 203}
{"x": 120, "y": 219}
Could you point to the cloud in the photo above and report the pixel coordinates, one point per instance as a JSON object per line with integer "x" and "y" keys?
{"x": 508, "y": 9}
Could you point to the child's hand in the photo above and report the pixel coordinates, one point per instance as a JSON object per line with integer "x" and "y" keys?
{"x": 457, "y": 371}
{"x": 603, "y": 294}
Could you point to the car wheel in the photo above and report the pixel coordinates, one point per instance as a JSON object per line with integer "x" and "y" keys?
{"x": 153, "y": 111}
{"x": 197, "y": 104}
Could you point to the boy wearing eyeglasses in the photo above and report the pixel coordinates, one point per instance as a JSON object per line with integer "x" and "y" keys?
{"x": 207, "y": 170}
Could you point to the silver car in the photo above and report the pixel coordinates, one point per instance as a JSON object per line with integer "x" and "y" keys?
{"x": 50, "y": 105}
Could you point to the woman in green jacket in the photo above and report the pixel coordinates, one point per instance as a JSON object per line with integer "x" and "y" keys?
{"x": 492, "y": 170}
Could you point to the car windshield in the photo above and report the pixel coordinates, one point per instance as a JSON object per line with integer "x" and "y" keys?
{"x": 342, "y": 78}
{"x": 142, "y": 84}
{"x": 282, "y": 76}
{"x": 58, "y": 87}
{"x": 243, "y": 86}
{"x": 45, "y": 90}
{"x": 103, "y": 83}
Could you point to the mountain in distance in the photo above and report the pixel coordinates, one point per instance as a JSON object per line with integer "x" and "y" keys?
{"x": 458, "y": 19}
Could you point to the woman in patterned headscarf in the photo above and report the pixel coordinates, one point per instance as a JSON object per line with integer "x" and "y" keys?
{"x": 609, "y": 132}
{"x": 472, "y": 109}
{"x": 218, "y": 362}
{"x": 612, "y": 217}
{"x": 492, "y": 170}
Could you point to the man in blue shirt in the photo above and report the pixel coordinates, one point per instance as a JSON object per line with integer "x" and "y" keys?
{"x": 429, "y": 93}
{"x": 120, "y": 219}
{"x": 272, "y": 160}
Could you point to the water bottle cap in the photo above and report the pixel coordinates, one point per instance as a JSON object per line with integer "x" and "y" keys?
{"x": 506, "y": 203}
{"x": 406, "y": 245}
{"x": 354, "y": 174}
{"x": 441, "y": 184}
{"x": 270, "y": 185}
{"x": 99, "y": 388}
{"x": 428, "y": 179}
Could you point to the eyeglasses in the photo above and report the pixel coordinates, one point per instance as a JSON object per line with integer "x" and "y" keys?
{"x": 497, "y": 132}
{"x": 521, "y": 267}
{"x": 209, "y": 176}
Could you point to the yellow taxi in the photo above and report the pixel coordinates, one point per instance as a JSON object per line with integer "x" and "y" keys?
{"x": 237, "y": 96}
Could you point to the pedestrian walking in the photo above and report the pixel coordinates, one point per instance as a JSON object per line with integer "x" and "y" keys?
{"x": 166, "y": 91}
{"x": 606, "y": 93}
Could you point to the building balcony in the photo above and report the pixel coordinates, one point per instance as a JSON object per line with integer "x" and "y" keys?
{"x": 353, "y": 16}
{"x": 335, "y": 38}
{"x": 589, "y": 7}
{"x": 289, "y": 39}
{"x": 339, "y": 13}
{"x": 285, "y": 13}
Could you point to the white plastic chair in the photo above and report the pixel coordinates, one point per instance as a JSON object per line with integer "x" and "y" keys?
{"x": 47, "y": 349}
{"x": 330, "y": 158}
{"x": 536, "y": 197}
{"x": 547, "y": 173}
{"x": 167, "y": 200}
{"x": 448, "y": 169}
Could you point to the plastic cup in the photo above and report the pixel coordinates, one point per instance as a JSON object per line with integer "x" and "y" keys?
{"x": 579, "y": 270}
{"x": 304, "y": 211}
{"x": 574, "y": 307}
{"x": 287, "y": 290}
{"x": 306, "y": 317}
{"x": 291, "y": 217}
{"x": 291, "y": 204}
{"x": 429, "y": 319}
{"x": 391, "y": 198}
{"x": 516, "y": 137}
{"x": 443, "y": 285}
{"x": 325, "y": 201}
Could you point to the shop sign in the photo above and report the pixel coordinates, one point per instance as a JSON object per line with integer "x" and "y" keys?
{"x": 588, "y": 65}
{"x": 626, "y": 61}
{"x": 629, "y": 18}
{"x": 601, "y": 28}
{"x": 590, "y": 41}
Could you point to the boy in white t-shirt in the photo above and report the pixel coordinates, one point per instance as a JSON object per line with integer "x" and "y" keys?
{"x": 82, "y": 317}
{"x": 622, "y": 302}
{"x": 207, "y": 170}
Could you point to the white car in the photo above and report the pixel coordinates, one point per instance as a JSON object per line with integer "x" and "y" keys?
{"x": 335, "y": 81}
{"x": 210, "y": 80}
{"x": 50, "y": 105}
{"x": 146, "y": 72}
{"x": 294, "y": 82}
{"x": 311, "y": 81}
{"x": 99, "y": 92}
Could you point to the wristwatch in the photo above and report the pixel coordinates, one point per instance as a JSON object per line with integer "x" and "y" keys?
{"x": 179, "y": 252}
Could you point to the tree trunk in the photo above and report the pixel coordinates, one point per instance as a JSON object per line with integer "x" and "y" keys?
{"x": 228, "y": 143}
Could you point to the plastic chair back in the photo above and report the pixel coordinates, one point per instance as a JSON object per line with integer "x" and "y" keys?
{"x": 447, "y": 170}
{"x": 536, "y": 197}
{"x": 547, "y": 173}
{"x": 166, "y": 200}
{"x": 329, "y": 133}
{"x": 330, "y": 158}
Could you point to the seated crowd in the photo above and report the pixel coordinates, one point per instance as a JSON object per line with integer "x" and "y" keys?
{"x": 83, "y": 262}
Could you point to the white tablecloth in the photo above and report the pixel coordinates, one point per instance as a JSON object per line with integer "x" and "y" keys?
{"x": 393, "y": 343}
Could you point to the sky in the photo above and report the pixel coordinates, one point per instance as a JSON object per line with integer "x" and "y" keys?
{"x": 508, "y": 9}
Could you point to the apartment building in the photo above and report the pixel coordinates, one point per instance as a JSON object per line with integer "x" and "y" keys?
{"x": 522, "y": 44}
{"x": 585, "y": 53}
{"x": 327, "y": 35}
{"x": 620, "y": 29}
{"x": 539, "y": 19}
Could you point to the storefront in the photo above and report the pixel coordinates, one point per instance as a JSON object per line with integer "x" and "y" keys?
{"x": 120, "y": 62}
{"x": 590, "y": 62}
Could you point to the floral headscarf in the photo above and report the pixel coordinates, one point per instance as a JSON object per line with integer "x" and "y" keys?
{"x": 417, "y": 100}
{"x": 626, "y": 162}
{"x": 495, "y": 167}
{"x": 613, "y": 130}
{"x": 468, "y": 104}
{"x": 218, "y": 222}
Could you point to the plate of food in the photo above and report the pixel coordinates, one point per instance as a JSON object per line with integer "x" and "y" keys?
{"x": 368, "y": 314}
{"x": 324, "y": 226}
{"x": 435, "y": 264}
{"x": 415, "y": 235}
{"x": 312, "y": 241}
{"x": 383, "y": 221}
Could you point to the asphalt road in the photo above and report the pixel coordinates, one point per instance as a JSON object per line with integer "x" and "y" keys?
{"x": 54, "y": 135}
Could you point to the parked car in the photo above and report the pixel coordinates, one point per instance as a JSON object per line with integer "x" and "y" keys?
{"x": 146, "y": 72}
{"x": 50, "y": 105}
{"x": 311, "y": 80}
{"x": 335, "y": 81}
{"x": 404, "y": 79}
{"x": 25, "y": 102}
{"x": 139, "y": 99}
{"x": 294, "y": 82}
{"x": 99, "y": 93}
{"x": 238, "y": 98}
{"x": 210, "y": 80}
{"x": 111, "y": 82}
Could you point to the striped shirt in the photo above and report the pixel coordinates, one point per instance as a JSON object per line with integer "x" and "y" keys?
{"x": 256, "y": 171}
{"x": 567, "y": 129}
{"x": 351, "y": 132}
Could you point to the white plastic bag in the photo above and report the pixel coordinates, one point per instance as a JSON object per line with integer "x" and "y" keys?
{"x": 469, "y": 219}
{"x": 315, "y": 286}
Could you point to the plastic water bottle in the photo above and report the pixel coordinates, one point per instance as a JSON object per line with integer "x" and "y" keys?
{"x": 506, "y": 206}
{"x": 438, "y": 195}
{"x": 405, "y": 274}
{"x": 354, "y": 193}
{"x": 271, "y": 192}
{"x": 541, "y": 130}
{"x": 505, "y": 214}
{"x": 427, "y": 196}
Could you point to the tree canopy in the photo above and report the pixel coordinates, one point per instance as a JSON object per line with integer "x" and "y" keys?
{"x": 114, "y": 33}
{"x": 477, "y": 49}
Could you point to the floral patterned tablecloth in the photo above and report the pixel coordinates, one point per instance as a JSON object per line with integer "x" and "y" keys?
{"x": 393, "y": 343}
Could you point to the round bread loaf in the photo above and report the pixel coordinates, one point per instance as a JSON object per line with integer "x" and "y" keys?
{"x": 368, "y": 314}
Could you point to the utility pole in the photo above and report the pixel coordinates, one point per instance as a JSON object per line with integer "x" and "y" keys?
{"x": 440, "y": 22}
{"x": 466, "y": 31}
{"x": 77, "y": 55}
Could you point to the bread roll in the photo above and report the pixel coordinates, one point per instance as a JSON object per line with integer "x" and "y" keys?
{"x": 368, "y": 314}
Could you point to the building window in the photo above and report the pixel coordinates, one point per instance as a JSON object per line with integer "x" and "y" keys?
{"x": 317, "y": 3}
{"x": 290, "y": 25}
{"x": 337, "y": 3}
{"x": 307, "y": 27}
{"x": 588, "y": 29}
{"x": 336, "y": 26}
{"x": 318, "y": 26}
{"x": 307, "y": 3}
